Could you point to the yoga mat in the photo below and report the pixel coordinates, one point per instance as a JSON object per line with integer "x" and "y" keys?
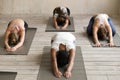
{"x": 50, "y": 27}
{"x": 116, "y": 40}
{"x": 22, "y": 50}
{"x": 45, "y": 72}
{"x": 8, "y": 75}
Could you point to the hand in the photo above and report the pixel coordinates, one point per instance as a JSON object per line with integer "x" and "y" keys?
{"x": 97, "y": 44}
{"x": 111, "y": 44}
{"x": 8, "y": 49}
{"x": 58, "y": 74}
{"x": 67, "y": 74}
{"x": 13, "y": 49}
{"x": 63, "y": 28}
{"x": 57, "y": 28}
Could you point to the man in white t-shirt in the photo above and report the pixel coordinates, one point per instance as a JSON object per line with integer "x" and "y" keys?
{"x": 63, "y": 53}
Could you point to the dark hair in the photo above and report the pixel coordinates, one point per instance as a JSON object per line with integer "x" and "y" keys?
{"x": 102, "y": 33}
{"x": 61, "y": 20}
{"x": 62, "y": 58}
{"x": 12, "y": 39}
{"x": 60, "y": 12}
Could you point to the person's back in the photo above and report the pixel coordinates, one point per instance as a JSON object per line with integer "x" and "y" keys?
{"x": 101, "y": 18}
{"x": 16, "y": 24}
{"x": 65, "y": 38}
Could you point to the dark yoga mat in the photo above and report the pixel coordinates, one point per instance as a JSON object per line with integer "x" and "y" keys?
{"x": 50, "y": 27}
{"x": 45, "y": 72}
{"x": 22, "y": 50}
{"x": 116, "y": 40}
{"x": 8, "y": 75}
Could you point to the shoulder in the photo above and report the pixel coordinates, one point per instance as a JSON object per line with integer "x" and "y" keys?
{"x": 17, "y": 21}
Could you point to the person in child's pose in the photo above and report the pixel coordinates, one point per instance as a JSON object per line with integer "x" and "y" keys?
{"x": 101, "y": 27}
{"x": 63, "y": 53}
{"x": 61, "y": 17}
{"x": 15, "y": 34}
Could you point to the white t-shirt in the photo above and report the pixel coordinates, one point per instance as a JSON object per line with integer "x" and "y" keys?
{"x": 64, "y": 38}
{"x": 102, "y": 18}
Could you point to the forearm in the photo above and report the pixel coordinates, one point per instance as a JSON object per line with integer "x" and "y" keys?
{"x": 95, "y": 38}
{"x": 54, "y": 65}
{"x": 110, "y": 39}
{"x": 55, "y": 25}
{"x": 70, "y": 66}
{"x": 6, "y": 45}
{"x": 6, "y": 39}
{"x": 71, "y": 60}
{"x": 55, "y": 22}
{"x": 110, "y": 33}
{"x": 54, "y": 60}
{"x": 19, "y": 44}
{"x": 66, "y": 24}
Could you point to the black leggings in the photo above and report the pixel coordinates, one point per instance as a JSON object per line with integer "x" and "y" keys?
{"x": 25, "y": 25}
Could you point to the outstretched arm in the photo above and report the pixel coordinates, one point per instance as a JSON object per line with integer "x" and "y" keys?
{"x": 56, "y": 71}
{"x": 95, "y": 36}
{"x": 55, "y": 23}
{"x": 68, "y": 73}
{"x": 6, "y": 40}
{"x": 66, "y": 24}
{"x": 109, "y": 34}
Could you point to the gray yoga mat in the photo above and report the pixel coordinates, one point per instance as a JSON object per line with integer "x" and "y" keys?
{"x": 50, "y": 27}
{"x": 8, "y": 75}
{"x": 116, "y": 40}
{"x": 22, "y": 50}
{"x": 45, "y": 72}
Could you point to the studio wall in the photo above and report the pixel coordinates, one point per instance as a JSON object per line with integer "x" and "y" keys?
{"x": 41, "y": 7}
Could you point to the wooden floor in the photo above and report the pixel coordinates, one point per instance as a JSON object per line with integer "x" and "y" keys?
{"x": 100, "y": 63}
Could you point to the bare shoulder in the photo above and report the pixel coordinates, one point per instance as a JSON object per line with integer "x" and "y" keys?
{"x": 18, "y": 22}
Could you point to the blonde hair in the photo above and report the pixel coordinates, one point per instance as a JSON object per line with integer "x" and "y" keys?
{"x": 102, "y": 33}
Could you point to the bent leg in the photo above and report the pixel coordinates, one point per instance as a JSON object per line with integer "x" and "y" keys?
{"x": 112, "y": 26}
{"x": 90, "y": 25}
